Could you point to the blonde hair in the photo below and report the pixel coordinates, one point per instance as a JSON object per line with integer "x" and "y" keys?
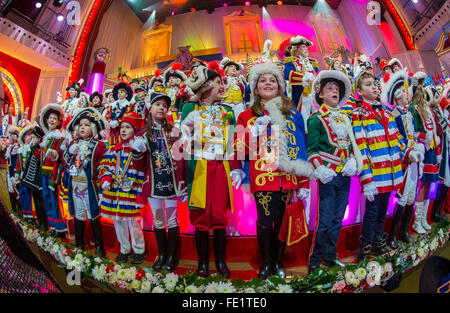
{"x": 419, "y": 99}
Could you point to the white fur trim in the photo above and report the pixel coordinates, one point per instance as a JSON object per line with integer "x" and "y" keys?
{"x": 25, "y": 130}
{"x": 338, "y": 75}
{"x": 44, "y": 110}
{"x": 386, "y": 87}
{"x": 297, "y": 167}
{"x": 200, "y": 80}
{"x": 420, "y": 75}
{"x": 395, "y": 60}
{"x": 297, "y": 39}
{"x": 267, "y": 45}
{"x": 264, "y": 68}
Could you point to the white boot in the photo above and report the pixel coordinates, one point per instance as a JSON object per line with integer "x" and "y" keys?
{"x": 425, "y": 224}
{"x": 417, "y": 226}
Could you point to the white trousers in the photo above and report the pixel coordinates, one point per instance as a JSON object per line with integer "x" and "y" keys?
{"x": 81, "y": 204}
{"x": 410, "y": 190}
{"x": 125, "y": 228}
{"x": 171, "y": 212}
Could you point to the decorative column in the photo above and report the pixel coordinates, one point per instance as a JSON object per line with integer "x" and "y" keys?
{"x": 101, "y": 57}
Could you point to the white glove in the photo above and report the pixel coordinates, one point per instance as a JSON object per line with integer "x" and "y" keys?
{"x": 324, "y": 174}
{"x": 420, "y": 148}
{"x": 350, "y": 167}
{"x": 114, "y": 124}
{"x": 308, "y": 78}
{"x": 370, "y": 190}
{"x": 53, "y": 154}
{"x": 439, "y": 158}
{"x": 428, "y": 139}
{"x": 183, "y": 195}
{"x": 237, "y": 176}
{"x": 303, "y": 193}
{"x": 74, "y": 148}
{"x": 414, "y": 156}
{"x": 106, "y": 185}
{"x": 260, "y": 126}
{"x": 138, "y": 144}
{"x": 438, "y": 140}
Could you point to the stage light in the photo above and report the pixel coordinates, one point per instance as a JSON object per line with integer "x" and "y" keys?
{"x": 173, "y": 13}
{"x": 38, "y": 5}
{"x": 225, "y": 5}
{"x": 280, "y": 2}
{"x": 60, "y": 17}
{"x": 192, "y": 9}
{"x": 415, "y": 1}
{"x": 247, "y": 3}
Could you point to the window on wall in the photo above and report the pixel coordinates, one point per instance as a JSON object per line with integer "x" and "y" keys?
{"x": 157, "y": 41}
{"x": 243, "y": 32}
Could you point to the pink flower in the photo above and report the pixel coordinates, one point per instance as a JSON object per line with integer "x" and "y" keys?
{"x": 340, "y": 285}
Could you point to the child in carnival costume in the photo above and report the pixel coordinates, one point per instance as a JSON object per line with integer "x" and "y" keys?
{"x": 51, "y": 118}
{"x": 164, "y": 182}
{"x": 173, "y": 77}
{"x": 210, "y": 166}
{"x": 83, "y": 158}
{"x": 96, "y": 101}
{"x": 24, "y": 120}
{"x": 12, "y": 157}
{"x": 70, "y": 104}
{"x": 278, "y": 164}
{"x": 121, "y": 177}
{"x": 383, "y": 149}
{"x": 442, "y": 128}
{"x": 108, "y": 97}
{"x": 8, "y": 119}
{"x": 185, "y": 92}
{"x": 395, "y": 95}
{"x": 234, "y": 86}
{"x": 122, "y": 94}
{"x": 24, "y": 155}
{"x": 156, "y": 83}
{"x": 140, "y": 101}
{"x": 333, "y": 152}
{"x": 426, "y": 132}
{"x": 299, "y": 71}
{"x": 134, "y": 84}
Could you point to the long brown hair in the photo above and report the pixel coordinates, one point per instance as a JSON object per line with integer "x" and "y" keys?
{"x": 149, "y": 127}
{"x": 285, "y": 109}
{"x": 419, "y": 100}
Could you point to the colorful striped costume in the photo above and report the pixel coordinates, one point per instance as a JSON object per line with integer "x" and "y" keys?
{"x": 120, "y": 201}
{"x": 382, "y": 148}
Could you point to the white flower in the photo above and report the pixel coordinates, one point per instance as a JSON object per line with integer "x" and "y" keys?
{"x": 136, "y": 284}
{"x": 360, "y": 273}
{"x": 40, "y": 242}
{"x": 98, "y": 273}
{"x": 158, "y": 289}
{"x": 117, "y": 267}
{"x": 355, "y": 283}
{"x": 373, "y": 266}
{"x": 249, "y": 290}
{"x": 373, "y": 279}
{"x": 67, "y": 260}
{"x": 55, "y": 249}
{"x": 284, "y": 288}
{"x": 98, "y": 260}
{"x": 387, "y": 268}
{"x": 349, "y": 277}
{"x": 131, "y": 273}
{"x": 146, "y": 286}
{"x": 191, "y": 289}
{"x": 212, "y": 287}
{"x": 112, "y": 277}
{"x": 151, "y": 278}
{"x": 122, "y": 274}
{"x": 79, "y": 258}
{"x": 170, "y": 281}
{"x": 226, "y": 287}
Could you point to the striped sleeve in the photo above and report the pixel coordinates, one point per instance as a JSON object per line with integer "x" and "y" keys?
{"x": 366, "y": 175}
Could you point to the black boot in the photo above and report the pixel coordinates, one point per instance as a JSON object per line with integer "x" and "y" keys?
{"x": 173, "y": 238}
{"x": 278, "y": 268}
{"x": 395, "y": 225}
{"x": 265, "y": 242}
{"x": 404, "y": 227}
{"x": 202, "y": 245}
{"x": 161, "y": 242}
{"x": 40, "y": 211}
{"x": 98, "y": 237}
{"x": 379, "y": 247}
{"x": 79, "y": 234}
{"x": 441, "y": 196}
{"x": 364, "y": 251}
{"x": 220, "y": 240}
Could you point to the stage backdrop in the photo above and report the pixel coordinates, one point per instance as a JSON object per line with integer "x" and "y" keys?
{"x": 25, "y": 75}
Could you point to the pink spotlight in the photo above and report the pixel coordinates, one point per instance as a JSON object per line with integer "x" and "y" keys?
{"x": 247, "y": 3}
{"x": 96, "y": 82}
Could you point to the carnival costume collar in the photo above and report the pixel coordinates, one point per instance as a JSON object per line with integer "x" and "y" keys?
{"x": 299, "y": 167}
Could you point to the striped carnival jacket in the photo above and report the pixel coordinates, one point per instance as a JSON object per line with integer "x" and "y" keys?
{"x": 119, "y": 202}
{"x": 50, "y": 168}
{"x": 382, "y": 147}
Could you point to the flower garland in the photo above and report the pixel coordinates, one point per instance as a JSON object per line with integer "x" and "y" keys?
{"x": 352, "y": 278}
